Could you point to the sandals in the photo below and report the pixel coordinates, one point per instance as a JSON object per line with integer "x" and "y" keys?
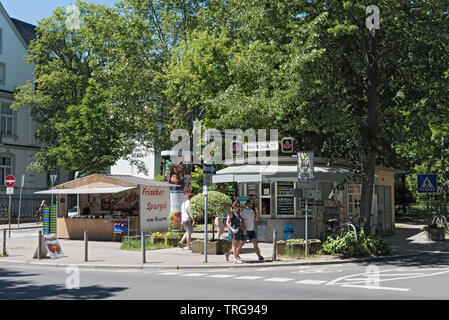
{"x": 227, "y": 254}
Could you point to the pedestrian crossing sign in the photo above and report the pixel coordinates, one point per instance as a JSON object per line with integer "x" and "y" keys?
{"x": 427, "y": 183}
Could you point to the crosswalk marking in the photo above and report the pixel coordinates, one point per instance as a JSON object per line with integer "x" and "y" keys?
{"x": 278, "y": 279}
{"x": 249, "y": 277}
{"x": 169, "y": 273}
{"x": 375, "y": 287}
{"x": 193, "y": 274}
{"x": 222, "y": 276}
{"x": 311, "y": 282}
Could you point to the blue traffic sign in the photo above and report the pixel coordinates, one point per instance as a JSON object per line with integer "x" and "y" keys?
{"x": 427, "y": 183}
{"x": 209, "y": 168}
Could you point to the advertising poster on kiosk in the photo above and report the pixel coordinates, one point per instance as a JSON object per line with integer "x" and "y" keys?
{"x": 154, "y": 208}
{"x": 53, "y": 246}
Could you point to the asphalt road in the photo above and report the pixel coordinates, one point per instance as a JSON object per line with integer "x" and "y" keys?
{"x": 425, "y": 277}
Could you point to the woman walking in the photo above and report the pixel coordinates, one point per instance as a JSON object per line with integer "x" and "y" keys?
{"x": 233, "y": 223}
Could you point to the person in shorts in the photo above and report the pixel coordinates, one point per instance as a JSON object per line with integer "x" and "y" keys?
{"x": 249, "y": 218}
{"x": 188, "y": 222}
{"x": 234, "y": 224}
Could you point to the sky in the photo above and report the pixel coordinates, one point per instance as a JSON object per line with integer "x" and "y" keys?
{"x": 32, "y": 11}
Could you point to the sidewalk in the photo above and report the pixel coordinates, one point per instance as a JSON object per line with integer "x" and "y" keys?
{"x": 407, "y": 241}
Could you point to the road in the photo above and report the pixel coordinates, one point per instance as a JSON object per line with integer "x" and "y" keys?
{"x": 424, "y": 277}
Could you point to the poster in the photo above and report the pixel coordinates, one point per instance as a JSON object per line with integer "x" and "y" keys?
{"x": 106, "y": 202}
{"x": 176, "y": 200}
{"x": 53, "y": 247}
{"x": 154, "y": 208}
{"x": 127, "y": 201}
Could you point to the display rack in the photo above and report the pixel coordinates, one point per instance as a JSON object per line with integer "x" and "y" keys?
{"x": 285, "y": 198}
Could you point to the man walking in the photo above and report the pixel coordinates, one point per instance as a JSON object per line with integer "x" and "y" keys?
{"x": 249, "y": 217}
{"x": 188, "y": 222}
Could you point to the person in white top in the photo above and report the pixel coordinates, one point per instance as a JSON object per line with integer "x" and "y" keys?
{"x": 249, "y": 233}
{"x": 188, "y": 222}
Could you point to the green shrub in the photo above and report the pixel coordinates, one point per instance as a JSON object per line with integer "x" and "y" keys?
{"x": 218, "y": 204}
{"x": 167, "y": 235}
{"x": 347, "y": 245}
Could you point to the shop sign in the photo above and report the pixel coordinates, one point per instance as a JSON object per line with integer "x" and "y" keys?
{"x": 287, "y": 145}
{"x": 53, "y": 246}
{"x": 260, "y": 146}
{"x": 311, "y": 194}
{"x": 305, "y": 166}
{"x": 154, "y": 208}
{"x": 316, "y": 203}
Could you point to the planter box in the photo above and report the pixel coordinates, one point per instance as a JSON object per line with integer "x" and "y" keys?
{"x": 213, "y": 247}
{"x": 437, "y": 234}
{"x": 158, "y": 240}
{"x": 298, "y": 248}
{"x": 172, "y": 242}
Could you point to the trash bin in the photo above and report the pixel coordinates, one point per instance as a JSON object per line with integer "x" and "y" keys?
{"x": 288, "y": 232}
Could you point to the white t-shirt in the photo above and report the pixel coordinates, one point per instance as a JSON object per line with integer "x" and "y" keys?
{"x": 185, "y": 210}
{"x": 248, "y": 216}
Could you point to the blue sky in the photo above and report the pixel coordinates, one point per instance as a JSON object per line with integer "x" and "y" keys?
{"x": 32, "y": 11}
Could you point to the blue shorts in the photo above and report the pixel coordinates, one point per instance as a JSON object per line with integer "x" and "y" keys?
{"x": 237, "y": 236}
{"x": 250, "y": 235}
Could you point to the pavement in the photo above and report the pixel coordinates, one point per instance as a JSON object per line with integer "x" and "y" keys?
{"x": 407, "y": 241}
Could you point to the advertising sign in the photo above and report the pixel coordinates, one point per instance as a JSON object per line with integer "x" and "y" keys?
{"x": 53, "y": 246}
{"x": 154, "y": 208}
{"x": 287, "y": 145}
{"x": 305, "y": 166}
{"x": 176, "y": 199}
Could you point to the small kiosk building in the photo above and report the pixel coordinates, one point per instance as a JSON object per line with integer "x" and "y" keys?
{"x": 102, "y": 201}
{"x": 271, "y": 189}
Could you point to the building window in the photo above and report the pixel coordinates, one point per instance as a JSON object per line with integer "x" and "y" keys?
{"x": 2, "y": 73}
{"x": 6, "y": 121}
{"x": 5, "y": 167}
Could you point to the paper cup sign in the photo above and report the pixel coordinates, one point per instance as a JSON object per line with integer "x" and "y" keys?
{"x": 154, "y": 208}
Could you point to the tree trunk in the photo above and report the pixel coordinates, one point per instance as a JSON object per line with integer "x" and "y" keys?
{"x": 369, "y": 147}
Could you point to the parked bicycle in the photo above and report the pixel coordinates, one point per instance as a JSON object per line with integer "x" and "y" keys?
{"x": 335, "y": 228}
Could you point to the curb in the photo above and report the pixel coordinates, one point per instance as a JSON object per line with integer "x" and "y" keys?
{"x": 218, "y": 266}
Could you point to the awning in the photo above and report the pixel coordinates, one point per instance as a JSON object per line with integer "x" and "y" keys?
{"x": 269, "y": 173}
{"x": 85, "y": 190}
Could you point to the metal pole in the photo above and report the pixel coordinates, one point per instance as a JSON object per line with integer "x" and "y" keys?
{"x": 205, "y": 225}
{"x": 144, "y": 256}
{"x": 274, "y": 244}
{"x": 20, "y": 200}
{"x": 4, "y": 242}
{"x": 307, "y": 227}
{"x": 9, "y": 214}
{"x": 39, "y": 248}
{"x": 128, "y": 231}
{"x": 86, "y": 247}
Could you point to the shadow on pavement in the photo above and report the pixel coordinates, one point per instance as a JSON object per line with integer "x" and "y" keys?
{"x": 14, "y": 289}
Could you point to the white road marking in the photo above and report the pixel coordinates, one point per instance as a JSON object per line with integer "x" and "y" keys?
{"x": 249, "y": 277}
{"x": 193, "y": 274}
{"x": 221, "y": 276}
{"x": 278, "y": 279}
{"x": 311, "y": 281}
{"x": 375, "y": 287}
